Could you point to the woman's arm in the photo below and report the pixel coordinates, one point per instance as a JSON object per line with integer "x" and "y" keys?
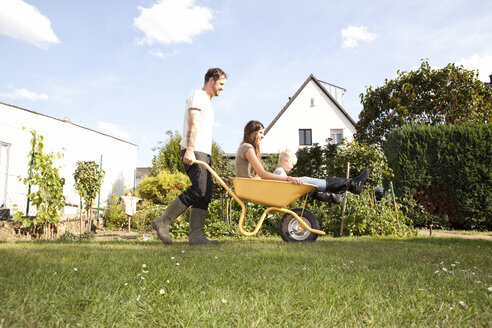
{"x": 256, "y": 165}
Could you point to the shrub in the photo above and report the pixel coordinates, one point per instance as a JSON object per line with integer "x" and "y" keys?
{"x": 114, "y": 213}
{"x": 87, "y": 236}
{"x": 446, "y": 170}
{"x": 163, "y": 188}
{"x": 364, "y": 217}
{"x": 68, "y": 237}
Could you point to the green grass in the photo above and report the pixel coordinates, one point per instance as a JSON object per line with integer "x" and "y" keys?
{"x": 349, "y": 282}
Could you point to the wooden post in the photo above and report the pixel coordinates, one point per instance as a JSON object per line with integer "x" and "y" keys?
{"x": 394, "y": 199}
{"x": 129, "y": 222}
{"x": 430, "y": 230}
{"x": 344, "y": 202}
{"x": 80, "y": 215}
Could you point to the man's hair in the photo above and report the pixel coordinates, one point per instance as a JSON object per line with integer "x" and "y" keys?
{"x": 287, "y": 154}
{"x": 216, "y": 73}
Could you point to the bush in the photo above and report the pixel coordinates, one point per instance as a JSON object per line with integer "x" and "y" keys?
{"x": 163, "y": 188}
{"x": 114, "y": 213}
{"x": 364, "y": 217}
{"x": 446, "y": 170}
{"x": 71, "y": 238}
{"x": 87, "y": 236}
{"x": 68, "y": 237}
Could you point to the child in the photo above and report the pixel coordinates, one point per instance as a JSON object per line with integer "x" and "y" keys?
{"x": 287, "y": 160}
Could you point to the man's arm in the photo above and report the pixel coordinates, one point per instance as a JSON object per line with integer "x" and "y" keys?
{"x": 193, "y": 118}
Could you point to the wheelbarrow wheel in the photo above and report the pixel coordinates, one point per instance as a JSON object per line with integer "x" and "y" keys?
{"x": 291, "y": 230}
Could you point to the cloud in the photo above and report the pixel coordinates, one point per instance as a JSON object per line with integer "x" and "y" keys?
{"x": 24, "y": 94}
{"x": 113, "y": 130}
{"x": 172, "y": 21}
{"x": 162, "y": 55}
{"x": 482, "y": 63}
{"x": 353, "y": 34}
{"x": 24, "y": 22}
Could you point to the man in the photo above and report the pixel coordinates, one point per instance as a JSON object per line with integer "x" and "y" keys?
{"x": 196, "y": 144}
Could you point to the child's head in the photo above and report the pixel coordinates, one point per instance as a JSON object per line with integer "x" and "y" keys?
{"x": 287, "y": 160}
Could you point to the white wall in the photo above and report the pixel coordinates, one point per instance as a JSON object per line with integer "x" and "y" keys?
{"x": 76, "y": 143}
{"x": 324, "y": 116}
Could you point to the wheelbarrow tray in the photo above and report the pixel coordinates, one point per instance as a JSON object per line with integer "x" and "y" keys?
{"x": 269, "y": 192}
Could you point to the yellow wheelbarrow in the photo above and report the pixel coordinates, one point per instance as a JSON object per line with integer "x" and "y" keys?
{"x": 296, "y": 225}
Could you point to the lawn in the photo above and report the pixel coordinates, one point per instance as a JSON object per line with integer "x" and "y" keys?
{"x": 256, "y": 282}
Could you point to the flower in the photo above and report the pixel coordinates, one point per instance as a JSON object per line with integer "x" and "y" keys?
{"x": 167, "y": 281}
{"x": 144, "y": 265}
{"x": 490, "y": 289}
{"x": 145, "y": 271}
{"x": 224, "y": 301}
{"x": 138, "y": 297}
{"x": 162, "y": 291}
{"x": 444, "y": 269}
{"x": 462, "y": 303}
{"x": 182, "y": 252}
{"x": 172, "y": 257}
{"x": 75, "y": 269}
{"x": 176, "y": 186}
{"x": 177, "y": 264}
{"x": 142, "y": 278}
{"x": 126, "y": 284}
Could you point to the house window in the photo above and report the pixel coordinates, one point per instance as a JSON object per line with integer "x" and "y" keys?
{"x": 336, "y": 136}
{"x": 305, "y": 137}
{"x": 312, "y": 102}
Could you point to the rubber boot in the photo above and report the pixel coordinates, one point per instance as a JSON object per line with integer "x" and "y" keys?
{"x": 162, "y": 223}
{"x": 197, "y": 223}
{"x": 357, "y": 183}
{"x": 337, "y": 185}
{"x": 327, "y": 197}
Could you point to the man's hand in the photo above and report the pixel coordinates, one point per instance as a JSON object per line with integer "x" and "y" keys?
{"x": 189, "y": 157}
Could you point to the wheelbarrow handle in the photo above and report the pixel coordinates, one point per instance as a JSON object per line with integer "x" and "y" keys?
{"x": 229, "y": 190}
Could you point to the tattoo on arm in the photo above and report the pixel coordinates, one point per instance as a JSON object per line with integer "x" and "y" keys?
{"x": 193, "y": 117}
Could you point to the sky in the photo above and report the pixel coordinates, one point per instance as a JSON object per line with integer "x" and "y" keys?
{"x": 125, "y": 67}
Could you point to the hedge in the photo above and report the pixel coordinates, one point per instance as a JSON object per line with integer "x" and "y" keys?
{"x": 447, "y": 170}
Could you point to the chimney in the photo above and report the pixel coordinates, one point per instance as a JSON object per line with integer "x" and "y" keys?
{"x": 490, "y": 77}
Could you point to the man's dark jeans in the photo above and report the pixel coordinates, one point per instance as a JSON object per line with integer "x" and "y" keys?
{"x": 199, "y": 194}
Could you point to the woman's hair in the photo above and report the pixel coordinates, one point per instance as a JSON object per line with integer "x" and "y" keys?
{"x": 251, "y": 137}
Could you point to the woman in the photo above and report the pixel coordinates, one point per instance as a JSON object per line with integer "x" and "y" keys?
{"x": 248, "y": 156}
{"x": 248, "y": 165}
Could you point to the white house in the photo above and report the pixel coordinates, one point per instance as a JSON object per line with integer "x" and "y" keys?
{"x": 312, "y": 115}
{"x": 77, "y": 143}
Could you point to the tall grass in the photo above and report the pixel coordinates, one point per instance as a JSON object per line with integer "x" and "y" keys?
{"x": 350, "y": 282}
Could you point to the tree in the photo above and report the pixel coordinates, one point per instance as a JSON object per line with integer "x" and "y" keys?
{"x": 450, "y": 95}
{"x": 88, "y": 179}
{"x": 45, "y": 180}
{"x": 167, "y": 157}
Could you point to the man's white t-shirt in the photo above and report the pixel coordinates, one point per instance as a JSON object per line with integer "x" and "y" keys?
{"x": 200, "y": 100}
